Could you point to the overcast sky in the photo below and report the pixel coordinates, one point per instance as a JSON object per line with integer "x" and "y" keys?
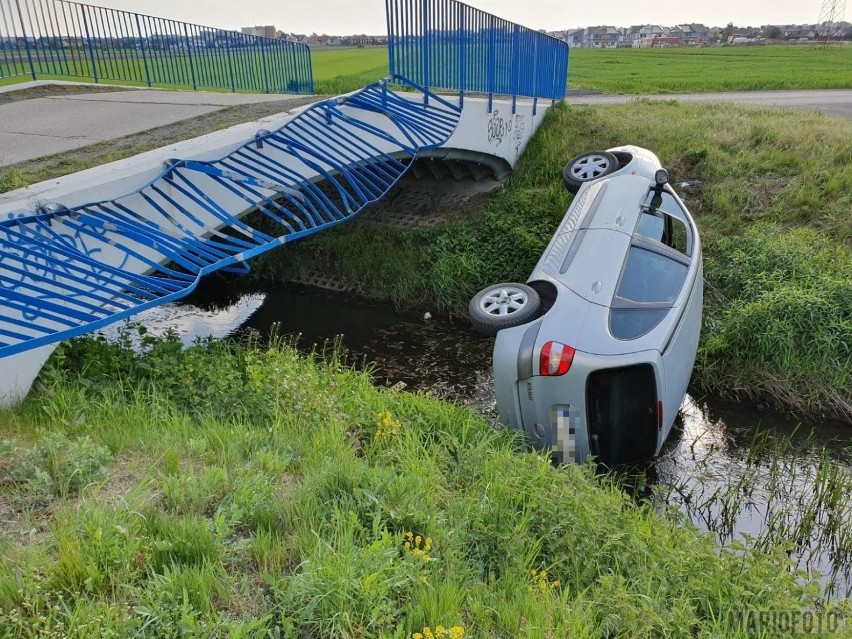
{"x": 338, "y": 17}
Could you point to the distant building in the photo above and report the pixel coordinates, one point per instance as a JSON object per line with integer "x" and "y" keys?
{"x": 574, "y": 37}
{"x": 605, "y": 37}
{"x": 642, "y": 36}
{"x": 691, "y": 34}
{"x": 267, "y": 31}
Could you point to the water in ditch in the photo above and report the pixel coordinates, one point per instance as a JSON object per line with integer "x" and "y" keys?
{"x": 740, "y": 473}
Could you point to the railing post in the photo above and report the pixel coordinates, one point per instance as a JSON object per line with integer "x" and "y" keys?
{"x": 535, "y": 74}
{"x": 427, "y": 80}
{"x": 462, "y": 40}
{"x": 263, "y": 61}
{"x": 189, "y": 55}
{"x": 490, "y": 67}
{"x": 391, "y": 34}
{"x": 26, "y": 40}
{"x": 516, "y": 65}
{"x": 230, "y": 62}
{"x": 89, "y": 43}
{"x": 144, "y": 54}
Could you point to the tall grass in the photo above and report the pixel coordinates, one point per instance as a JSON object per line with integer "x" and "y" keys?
{"x": 294, "y": 506}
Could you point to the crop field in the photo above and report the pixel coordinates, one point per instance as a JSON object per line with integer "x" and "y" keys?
{"x": 349, "y": 68}
{"x": 710, "y": 69}
{"x": 342, "y": 69}
{"x": 339, "y": 70}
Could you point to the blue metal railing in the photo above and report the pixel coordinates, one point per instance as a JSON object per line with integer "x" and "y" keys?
{"x": 68, "y": 271}
{"x": 448, "y": 45}
{"x": 56, "y": 38}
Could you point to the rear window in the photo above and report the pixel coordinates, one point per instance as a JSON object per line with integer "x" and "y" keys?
{"x": 621, "y": 405}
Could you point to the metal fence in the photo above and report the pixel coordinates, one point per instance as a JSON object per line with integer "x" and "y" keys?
{"x": 59, "y": 39}
{"x": 449, "y": 45}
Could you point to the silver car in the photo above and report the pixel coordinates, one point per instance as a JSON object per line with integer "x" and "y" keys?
{"x": 593, "y": 355}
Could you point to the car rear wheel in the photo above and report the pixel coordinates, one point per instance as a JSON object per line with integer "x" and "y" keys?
{"x": 587, "y": 167}
{"x": 503, "y": 306}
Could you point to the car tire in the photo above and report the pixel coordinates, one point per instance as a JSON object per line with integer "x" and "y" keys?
{"x": 503, "y": 306}
{"x": 587, "y": 167}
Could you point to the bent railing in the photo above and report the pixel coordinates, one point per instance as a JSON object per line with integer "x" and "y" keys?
{"x": 68, "y": 271}
{"x": 448, "y": 45}
{"x": 60, "y": 39}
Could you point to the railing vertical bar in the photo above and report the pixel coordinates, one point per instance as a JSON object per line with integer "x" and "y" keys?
{"x": 75, "y": 50}
{"x": 37, "y": 48}
{"x": 94, "y": 69}
{"x": 389, "y": 6}
{"x": 189, "y": 55}
{"x": 124, "y": 43}
{"x": 142, "y": 39}
{"x": 41, "y": 54}
{"x": 97, "y": 41}
{"x": 123, "y": 71}
{"x": 171, "y": 63}
{"x": 50, "y": 34}
{"x": 26, "y": 39}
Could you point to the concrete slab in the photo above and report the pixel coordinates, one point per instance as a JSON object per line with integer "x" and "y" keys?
{"x": 39, "y": 127}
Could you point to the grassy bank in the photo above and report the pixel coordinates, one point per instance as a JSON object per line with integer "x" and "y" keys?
{"x": 701, "y": 70}
{"x": 773, "y": 206}
{"x": 257, "y": 493}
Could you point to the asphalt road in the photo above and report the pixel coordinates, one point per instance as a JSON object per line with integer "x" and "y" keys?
{"x": 43, "y": 126}
{"x": 828, "y": 101}
{"x": 38, "y": 127}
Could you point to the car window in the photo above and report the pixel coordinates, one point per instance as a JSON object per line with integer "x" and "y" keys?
{"x": 650, "y": 277}
{"x": 662, "y": 220}
{"x": 630, "y": 323}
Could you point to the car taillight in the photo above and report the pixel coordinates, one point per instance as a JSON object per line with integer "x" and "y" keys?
{"x": 660, "y": 415}
{"x": 555, "y": 359}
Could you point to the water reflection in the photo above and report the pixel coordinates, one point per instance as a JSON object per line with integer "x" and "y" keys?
{"x": 736, "y": 472}
{"x": 762, "y": 479}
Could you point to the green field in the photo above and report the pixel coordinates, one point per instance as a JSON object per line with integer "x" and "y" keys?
{"x": 335, "y": 70}
{"x": 710, "y": 69}
{"x": 339, "y": 70}
{"x": 641, "y": 70}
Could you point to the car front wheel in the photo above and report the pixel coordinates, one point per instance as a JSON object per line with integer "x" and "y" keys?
{"x": 503, "y": 306}
{"x": 587, "y": 167}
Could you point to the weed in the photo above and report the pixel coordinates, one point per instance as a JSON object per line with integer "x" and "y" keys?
{"x": 59, "y": 467}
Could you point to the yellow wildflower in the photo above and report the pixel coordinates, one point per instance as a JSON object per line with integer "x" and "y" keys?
{"x": 386, "y": 426}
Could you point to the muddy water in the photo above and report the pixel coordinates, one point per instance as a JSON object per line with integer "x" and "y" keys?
{"x": 732, "y": 470}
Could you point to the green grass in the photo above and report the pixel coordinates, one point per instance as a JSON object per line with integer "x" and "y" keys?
{"x": 773, "y": 208}
{"x": 702, "y": 70}
{"x": 231, "y": 491}
{"x": 245, "y": 71}
{"x": 335, "y": 70}
{"x": 340, "y": 70}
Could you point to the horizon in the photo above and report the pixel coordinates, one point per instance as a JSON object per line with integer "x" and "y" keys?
{"x": 336, "y": 17}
